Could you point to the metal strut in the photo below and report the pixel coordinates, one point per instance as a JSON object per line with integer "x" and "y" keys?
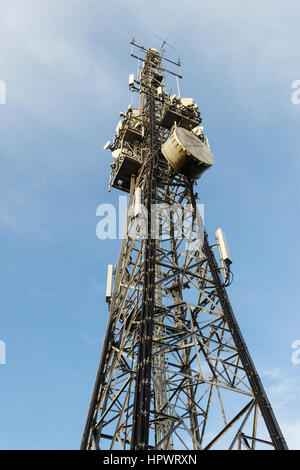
{"x": 253, "y": 377}
{"x": 143, "y": 375}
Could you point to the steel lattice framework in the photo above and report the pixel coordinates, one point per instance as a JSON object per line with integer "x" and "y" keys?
{"x": 175, "y": 372}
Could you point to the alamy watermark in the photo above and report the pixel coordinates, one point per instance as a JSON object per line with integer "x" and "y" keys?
{"x": 2, "y": 92}
{"x": 2, "y": 352}
{"x": 296, "y": 354}
{"x": 296, "y": 94}
{"x": 166, "y": 221}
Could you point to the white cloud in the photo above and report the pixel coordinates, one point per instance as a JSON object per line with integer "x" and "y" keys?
{"x": 48, "y": 64}
{"x": 283, "y": 390}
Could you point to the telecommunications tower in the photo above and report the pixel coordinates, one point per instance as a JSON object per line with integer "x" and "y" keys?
{"x": 174, "y": 372}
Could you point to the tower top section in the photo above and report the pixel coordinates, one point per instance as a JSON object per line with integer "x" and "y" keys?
{"x": 155, "y": 54}
{"x": 172, "y": 116}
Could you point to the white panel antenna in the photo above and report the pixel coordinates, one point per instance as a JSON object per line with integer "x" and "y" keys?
{"x": 223, "y": 247}
{"x": 131, "y": 80}
{"x": 109, "y": 282}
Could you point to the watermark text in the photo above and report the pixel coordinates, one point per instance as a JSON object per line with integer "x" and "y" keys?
{"x": 2, "y": 92}
{"x": 296, "y": 354}
{"x": 296, "y": 94}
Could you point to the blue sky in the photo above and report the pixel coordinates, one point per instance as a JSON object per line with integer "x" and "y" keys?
{"x": 66, "y": 65}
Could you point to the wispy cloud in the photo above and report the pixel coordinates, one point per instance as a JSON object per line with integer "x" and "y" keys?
{"x": 283, "y": 389}
{"x": 48, "y": 65}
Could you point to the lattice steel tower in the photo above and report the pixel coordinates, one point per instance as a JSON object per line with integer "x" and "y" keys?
{"x": 175, "y": 372}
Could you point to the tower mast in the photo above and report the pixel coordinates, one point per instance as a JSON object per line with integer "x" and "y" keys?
{"x": 174, "y": 372}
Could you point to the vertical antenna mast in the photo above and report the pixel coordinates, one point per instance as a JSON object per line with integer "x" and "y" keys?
{"x": 174, "y": 372}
